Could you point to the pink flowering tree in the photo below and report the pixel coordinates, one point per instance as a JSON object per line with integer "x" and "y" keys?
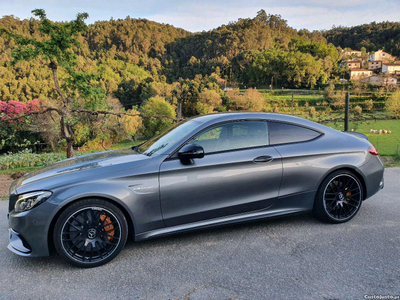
{"x": 12, "y": 109}
{"x": 13, "y": 129}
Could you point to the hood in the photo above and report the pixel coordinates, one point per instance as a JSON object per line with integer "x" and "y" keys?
{"x": 107, "y": 161}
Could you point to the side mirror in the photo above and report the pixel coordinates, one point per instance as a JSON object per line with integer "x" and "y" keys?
{"x": 190, "y": 151}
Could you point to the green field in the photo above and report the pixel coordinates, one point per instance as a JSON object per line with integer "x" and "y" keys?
{"x": 386, "y": 144}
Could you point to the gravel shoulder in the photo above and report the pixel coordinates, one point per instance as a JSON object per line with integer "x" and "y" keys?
{"x": 5, "y": 182}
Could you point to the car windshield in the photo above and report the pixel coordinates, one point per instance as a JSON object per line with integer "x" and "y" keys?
{"x": 160, "y": 143}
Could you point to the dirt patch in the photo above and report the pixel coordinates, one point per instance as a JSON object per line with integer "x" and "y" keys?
{"x": 386, "y": 159}
{"x": 5, "y": 182}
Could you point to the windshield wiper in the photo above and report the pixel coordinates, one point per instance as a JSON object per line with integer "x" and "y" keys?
{"x": 136, "y": 148}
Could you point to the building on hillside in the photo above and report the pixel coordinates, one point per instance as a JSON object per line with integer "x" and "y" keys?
{"x": 353, "y": 64}
{"x": 357, "y": 74}
{"x": 381, "y": 55}
{"x": 375, "y": 65}
{"x": 380, "y": 80}
{"x": 352, "y": 53}
{"x": 391, "y": 68}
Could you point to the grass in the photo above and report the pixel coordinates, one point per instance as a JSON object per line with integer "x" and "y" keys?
{"x": 386, "y": 144}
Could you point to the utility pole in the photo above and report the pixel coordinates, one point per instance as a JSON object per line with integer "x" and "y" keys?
{"x": 346, "y": 112}
{"x": 292, "y": 103}
{"x": 179, "y": 111}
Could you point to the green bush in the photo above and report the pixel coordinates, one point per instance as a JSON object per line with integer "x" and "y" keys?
{"x": 27, "y": 159}
{"x": 153, "y": 107}
{"x": 312, "y": 112}
{"x": 358, "y": 110}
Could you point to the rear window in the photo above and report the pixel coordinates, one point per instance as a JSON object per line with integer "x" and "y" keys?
{"x": 282, "y": 133}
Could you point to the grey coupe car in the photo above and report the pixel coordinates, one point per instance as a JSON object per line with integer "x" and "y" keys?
{"x": 206, "y": 171}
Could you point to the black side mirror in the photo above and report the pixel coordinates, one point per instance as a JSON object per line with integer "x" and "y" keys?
{"x": 190, "y": 151}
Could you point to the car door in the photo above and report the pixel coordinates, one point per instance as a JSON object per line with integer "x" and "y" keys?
{"x": 239, "y": 173}
{"x": 303, "y": 155}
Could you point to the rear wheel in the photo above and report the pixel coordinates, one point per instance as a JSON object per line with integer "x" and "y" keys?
{"x": 90, "y": 233}
{"x": 339, "y": 197}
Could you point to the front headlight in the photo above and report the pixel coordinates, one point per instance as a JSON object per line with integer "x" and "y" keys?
{"x": 28, "y": 201}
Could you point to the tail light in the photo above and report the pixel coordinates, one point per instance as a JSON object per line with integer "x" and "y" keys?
{"x": 373, "y": 151}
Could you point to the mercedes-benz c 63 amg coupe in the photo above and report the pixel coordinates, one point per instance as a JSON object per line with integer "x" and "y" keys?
{"x": 206, "y": 171}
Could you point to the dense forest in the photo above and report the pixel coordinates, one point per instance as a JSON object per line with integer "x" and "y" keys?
{"x": 137, "y": 58}
{"x": 373, "y": 36}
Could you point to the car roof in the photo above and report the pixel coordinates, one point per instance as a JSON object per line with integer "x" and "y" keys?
{"x": 231, "y": 116}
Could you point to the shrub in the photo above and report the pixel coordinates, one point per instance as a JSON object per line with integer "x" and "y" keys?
{"x": 209, "y": 101}
{"x": 251, "y": 100}
{"x": 358, "y": 110}
{"x": 312, "y": 112}
{"x": 369, "y": 104}
{"x": 392, "y": 104}
{"x": 27, "y": 159}
{"x": 13, "y": 109}
{"x": 157, "y": 106}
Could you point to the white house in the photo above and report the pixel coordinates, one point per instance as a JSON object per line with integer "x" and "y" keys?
{"x": 375, "y": 65}
{"x": 381, "y": 55}
{"x": 391, "y": 68}
{"x": 358, "y": 74}
{"x": 380, "y": 80}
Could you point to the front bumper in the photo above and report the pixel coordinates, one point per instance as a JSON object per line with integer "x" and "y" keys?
{"x": 28, "y": 231}
{"x": 17, "y": 244}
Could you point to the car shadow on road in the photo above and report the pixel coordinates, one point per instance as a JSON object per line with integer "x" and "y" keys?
{"x": 230, "y": 230}
{"x": 192, "y": 238}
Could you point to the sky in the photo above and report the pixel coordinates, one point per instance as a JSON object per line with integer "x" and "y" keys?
{"x": 205, "y": 15}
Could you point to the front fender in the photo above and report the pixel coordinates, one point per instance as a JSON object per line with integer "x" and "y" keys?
{"x": 137, "y": 195}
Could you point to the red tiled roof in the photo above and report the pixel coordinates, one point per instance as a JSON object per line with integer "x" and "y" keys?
{"x": 358, "y": 70}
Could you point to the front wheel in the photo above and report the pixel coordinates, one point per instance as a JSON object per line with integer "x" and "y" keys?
{"x": 339, "y": 197}
{"x": 90, "y": 233}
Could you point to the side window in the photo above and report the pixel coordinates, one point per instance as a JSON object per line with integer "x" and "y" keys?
{"x": 281, "y": 133}
{"x": 232, "y": 136}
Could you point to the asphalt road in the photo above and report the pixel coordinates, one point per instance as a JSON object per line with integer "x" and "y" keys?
{"x": 289, "y": 258}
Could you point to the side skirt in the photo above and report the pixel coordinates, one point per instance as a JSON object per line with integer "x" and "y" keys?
{"x": 216, "y": 222}
{"x": 293, "y": 204}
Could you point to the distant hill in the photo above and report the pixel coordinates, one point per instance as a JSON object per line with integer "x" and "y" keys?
{"x": 372, "y": 36}
{"x": 131, "y": 54}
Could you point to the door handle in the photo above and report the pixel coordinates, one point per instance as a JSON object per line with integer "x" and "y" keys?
{"x": 263, "y": 159}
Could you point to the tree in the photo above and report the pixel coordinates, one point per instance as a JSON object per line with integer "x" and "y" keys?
{"x": 79, "y": 91}
{"x": 251, "y": 100}
{"x": 56, "y": 51}
{"x": 157, "y": 106}
{"x": 392, "y": 104}
{"x": 209, "y": 101}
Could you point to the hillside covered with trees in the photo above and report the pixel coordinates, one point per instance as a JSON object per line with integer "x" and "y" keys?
{"x": 129, "y": 54}
{"x": 372, "y": 36}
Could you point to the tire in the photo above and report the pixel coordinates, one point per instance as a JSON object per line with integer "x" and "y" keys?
{"x": 90, "y": 233}
{"x": 339, "y": 197}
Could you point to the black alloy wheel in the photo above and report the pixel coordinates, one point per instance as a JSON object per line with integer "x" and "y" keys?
{"x": 339, "y": 197}
{"x": 90, "y": 233}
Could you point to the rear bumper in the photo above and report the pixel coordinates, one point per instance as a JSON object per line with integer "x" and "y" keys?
{"x": 28, "y": 231}
{"x": 373, "y": 172}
